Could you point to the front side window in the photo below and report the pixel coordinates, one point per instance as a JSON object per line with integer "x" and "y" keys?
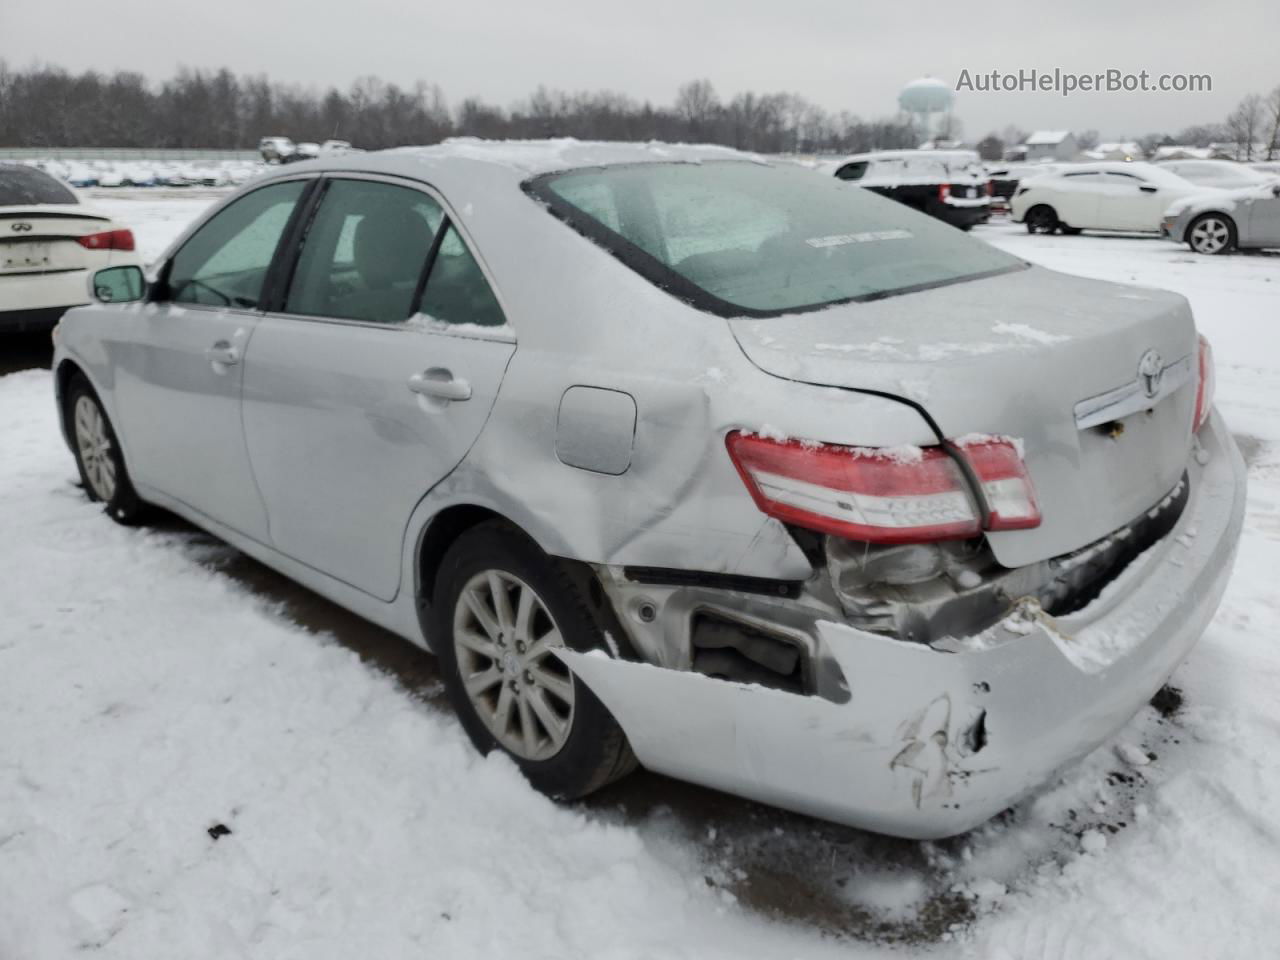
{"x": 745, "y": 239}
{"x": 364, "y": 253}
{"x": 225, "y": 262}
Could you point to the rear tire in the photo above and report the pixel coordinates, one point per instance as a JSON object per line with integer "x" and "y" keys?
{"x": 1042, "y": 218}
{"x": 1212, "y": 234}
{"x": 499, "y": 605}
{"x": 98, "y": 456}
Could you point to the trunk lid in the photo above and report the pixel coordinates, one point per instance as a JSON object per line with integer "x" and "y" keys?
{"x": 1030, "y": 355}
{"x": 41, "y": 238}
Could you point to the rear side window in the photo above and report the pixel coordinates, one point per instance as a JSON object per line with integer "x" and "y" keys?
{"x": 457, "y": 291}
{"x": 736, "y": 238}
{"x": 364, "y": 253}
{"x": 22, "y": 186}
{"x": 225, "y": 262}
{"x": 852, "y": 171}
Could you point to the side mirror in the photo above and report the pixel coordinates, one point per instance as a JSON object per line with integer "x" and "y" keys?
{"x": 1147, "y": 188}
{"x": 119, "y": 285}
{"x": 1275, "y": 190}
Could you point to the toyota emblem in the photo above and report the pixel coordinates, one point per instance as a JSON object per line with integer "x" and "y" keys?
{"x": 1150, "y": 372}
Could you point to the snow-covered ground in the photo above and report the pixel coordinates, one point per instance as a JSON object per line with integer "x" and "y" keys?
{"x": 147, "y": 699}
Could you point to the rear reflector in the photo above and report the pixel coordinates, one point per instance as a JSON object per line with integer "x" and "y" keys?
{"x": 1205, "y": 384}
{"x": 907, "y": 495}
{"x": 108, "y": 240}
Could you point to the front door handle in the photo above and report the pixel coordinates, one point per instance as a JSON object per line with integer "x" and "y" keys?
{"x": 223, "y": 352}
{"x": 441, "y": 384}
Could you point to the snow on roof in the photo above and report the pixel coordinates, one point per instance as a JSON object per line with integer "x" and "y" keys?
{"x": 1047, "y": 137}
{"x": 462, "y": 163}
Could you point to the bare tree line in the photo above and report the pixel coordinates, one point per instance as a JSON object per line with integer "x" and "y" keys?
{"x": 46, "y": 106}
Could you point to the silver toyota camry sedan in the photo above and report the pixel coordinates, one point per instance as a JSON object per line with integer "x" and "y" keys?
{"x": 678, "y": 456}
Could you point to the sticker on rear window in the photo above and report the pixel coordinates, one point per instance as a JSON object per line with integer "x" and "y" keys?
{"x": 871, "y": 236}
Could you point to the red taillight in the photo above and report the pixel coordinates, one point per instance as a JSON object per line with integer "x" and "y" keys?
{"x": 991, "y": 189}
{"x": 908, "y": 495}
{"x": 1205, "y": 384}
{"x": 944, "y": 191}
{"x": 108, "y": 240}
{"x": 998, "y": 465}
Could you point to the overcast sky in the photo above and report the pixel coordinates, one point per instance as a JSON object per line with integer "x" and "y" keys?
{"x": 842, "y": 54}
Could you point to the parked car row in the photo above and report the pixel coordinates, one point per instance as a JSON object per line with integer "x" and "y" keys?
{"x": 140, "y": 173}
{"x": 1227, "y": 205}
{"x": 284, "y": 150}
{"x": 1157, "y": 198}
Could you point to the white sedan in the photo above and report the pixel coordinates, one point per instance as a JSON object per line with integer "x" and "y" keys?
{"x": 50, "y": 245}
{"x": 1130, "y": 197}
{"x": 1225, "y": 174}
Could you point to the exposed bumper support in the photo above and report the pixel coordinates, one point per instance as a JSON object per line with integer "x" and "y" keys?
{"x": 933, "y": 741}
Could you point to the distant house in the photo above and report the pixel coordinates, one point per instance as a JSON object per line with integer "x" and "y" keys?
{"x": 1050, "y": 145}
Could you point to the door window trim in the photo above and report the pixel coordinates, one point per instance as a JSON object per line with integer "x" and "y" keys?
{"x": 275, "y": 308}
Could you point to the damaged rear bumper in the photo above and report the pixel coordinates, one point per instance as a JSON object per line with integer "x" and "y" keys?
{"x": 934, "y": 740}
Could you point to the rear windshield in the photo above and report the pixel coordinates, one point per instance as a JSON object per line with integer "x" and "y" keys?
{"x": 744, "y": 239}
{"x": 21, "y": 186}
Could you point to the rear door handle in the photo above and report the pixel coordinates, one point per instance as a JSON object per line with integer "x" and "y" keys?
{"x": 441, "y": 384}
{"x": 223, "y": 352}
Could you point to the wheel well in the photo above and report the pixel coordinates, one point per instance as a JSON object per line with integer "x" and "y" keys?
{"x": 1213, "y": 213}
{"x": 449, "y": 524}
{"x": 444, "y": 529}
{"x": 62, "y": 380}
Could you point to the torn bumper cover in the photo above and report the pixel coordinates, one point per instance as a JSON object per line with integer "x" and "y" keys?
{"x": 934, "y": 740}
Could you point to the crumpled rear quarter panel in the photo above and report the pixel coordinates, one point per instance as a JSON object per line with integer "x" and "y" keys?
{"x": 933, "y": 743}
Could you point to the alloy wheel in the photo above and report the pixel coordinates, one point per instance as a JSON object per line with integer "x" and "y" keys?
{"x": 1210, "y": 235}
{"x": 503, "y": 637}
{"x": 93, "y": 441}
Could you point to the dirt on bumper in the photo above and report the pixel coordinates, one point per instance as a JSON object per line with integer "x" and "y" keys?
{"x": 932, "y": 742}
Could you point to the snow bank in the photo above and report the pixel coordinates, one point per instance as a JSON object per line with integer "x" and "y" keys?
{"x": 146, "y": 700}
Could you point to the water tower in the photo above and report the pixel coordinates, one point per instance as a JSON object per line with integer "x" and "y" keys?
{"x": 923, "y": 100}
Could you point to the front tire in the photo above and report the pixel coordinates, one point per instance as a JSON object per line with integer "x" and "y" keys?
{"x": 500, "y": 607}
{"x": 98, "y": 456}
{"x": 1042, "y": 218}
{"x": 1212, "y": 234}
